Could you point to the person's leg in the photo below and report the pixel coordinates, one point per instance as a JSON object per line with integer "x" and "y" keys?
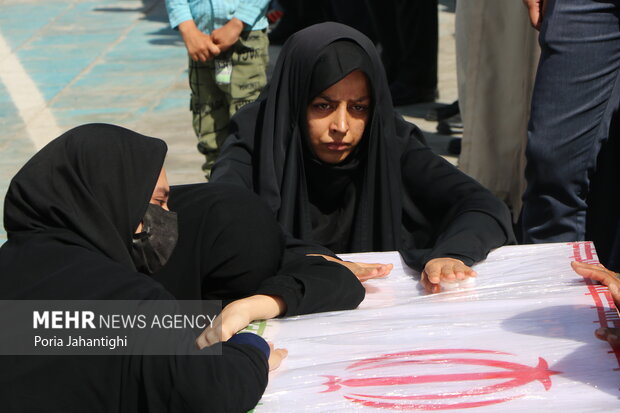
{"x": 250, "y": 59}
{"x": 210, "y": 111}
{"x": 229, "y": 242}
{"x": 355, "y": 14}
{"x": 409, "y": 50}
{"x": 416, "y": 76}
{"x": 603, "y": 216}
{"x": 383, "y": 13}
{"x": 497, "y": 54}
{"x": 575, "y": 95}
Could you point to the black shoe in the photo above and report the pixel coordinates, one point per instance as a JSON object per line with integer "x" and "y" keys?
{"x": 443, "y": 112}
{"x": 406, "y": 95}
{"x": 451, "y": 125}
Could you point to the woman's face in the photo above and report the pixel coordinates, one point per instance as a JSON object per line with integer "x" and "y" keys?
{"x": 337, "y": 118}
{"x": 160, "y": 195}
{"x": 161, "y": 191}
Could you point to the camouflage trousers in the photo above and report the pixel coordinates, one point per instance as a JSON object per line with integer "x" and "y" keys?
{"x": 214, "y": 101}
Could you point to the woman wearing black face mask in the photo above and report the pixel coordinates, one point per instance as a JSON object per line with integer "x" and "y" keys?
{"x": 157, "y": 234}
{"x": 74, "y": 214}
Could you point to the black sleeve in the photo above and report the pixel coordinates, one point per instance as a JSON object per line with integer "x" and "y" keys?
{"x": 202, "y": 380}
{"x": 186, "y": 379}
{"x": 235, "y": 164}
{"x": 231, "y": 382}
{"x": 313, "y": 284}
{"x": 467, "y": 219}
{"x": 301, "y": 247}
{"x": 469, "y": 238}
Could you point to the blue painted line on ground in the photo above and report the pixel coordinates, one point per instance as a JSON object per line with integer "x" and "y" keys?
{"x": 136, "y": 77}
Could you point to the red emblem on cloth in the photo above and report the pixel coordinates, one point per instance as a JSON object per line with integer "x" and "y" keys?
{"x": 477, "y": 386}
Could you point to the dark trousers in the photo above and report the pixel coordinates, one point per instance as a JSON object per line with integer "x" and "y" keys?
{"x": 409, "y": 34}
{"x": 572, "y": 173}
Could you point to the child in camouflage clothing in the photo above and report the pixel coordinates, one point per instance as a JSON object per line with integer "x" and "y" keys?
{"x": 228, "y": 54}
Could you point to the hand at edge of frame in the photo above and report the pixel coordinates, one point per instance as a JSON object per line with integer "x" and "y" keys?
{"x": 536, "y": 10}
{"x": 610, "y": 279}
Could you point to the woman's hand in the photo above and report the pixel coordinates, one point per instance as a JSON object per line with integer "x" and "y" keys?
{"x": 276, "y": 355}
{"x": 601, "y": 274}
{"x": 238, "y": 315}
{"x": 446, "y": 269}
{"x": 363, "y": 271}
{"x": 610, "y": 279}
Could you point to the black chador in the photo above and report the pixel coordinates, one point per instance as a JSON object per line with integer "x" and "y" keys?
{"x": 391, "y": 193}
{"x": 71, "y": 213}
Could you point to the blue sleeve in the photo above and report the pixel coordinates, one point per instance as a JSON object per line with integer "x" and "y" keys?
{"x": 253, "y": 340}
{"x": 251, "y": 11}
{"x": 178, "y": 12}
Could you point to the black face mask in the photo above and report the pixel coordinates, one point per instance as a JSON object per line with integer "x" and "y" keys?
{"x": 151, "y": 248}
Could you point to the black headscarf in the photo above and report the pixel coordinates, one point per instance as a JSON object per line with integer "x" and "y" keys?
{"x": 405, "y": 197}
{"x": 333, "y": 188}
{"x": 89, "y": 187}
{"x": 70, "y": 214}
{"x": 273, "y": 129}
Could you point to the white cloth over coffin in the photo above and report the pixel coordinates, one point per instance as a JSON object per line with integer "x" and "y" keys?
{"x": 521, "y": 339}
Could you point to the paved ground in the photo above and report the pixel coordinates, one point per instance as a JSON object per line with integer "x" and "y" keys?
{"x": 69, "y": 62}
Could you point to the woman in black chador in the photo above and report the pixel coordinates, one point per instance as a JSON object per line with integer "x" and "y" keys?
{"x": 87, "y": 219}
{"x": 343, "y": 172}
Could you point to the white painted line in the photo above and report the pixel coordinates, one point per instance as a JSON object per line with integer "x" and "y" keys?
{"x": 40, "y": 123}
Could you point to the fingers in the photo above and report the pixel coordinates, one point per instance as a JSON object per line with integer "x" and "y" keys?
{"x": 577, "y": 264}
{"x": 534, "y": 10}
{"x": 429, "y": 287}
{"x": 213, "y": 49}
{"x": 599, "y": 273}
{"x": 209, "y": 337}
{"x": 433, "y": 273}
{"x": 381, "y": 270}
{"x": 212, "y": 334}
{"x": 447, "y": 269}
{"x": 362, "y": 273}
{"x": 368, "y": 275}
{"x": 365, "y": 271}
{"x": 595, "y": 272}
{"x": 276, "y": 355}
{"x": 614, "y": 289}
{"x": 534, "y": 17}
{"x": 585, "y": 270}
{"x": 201, "y": 341}
{"x": 200, "y": 57}
{"x": 201, "y": 47}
